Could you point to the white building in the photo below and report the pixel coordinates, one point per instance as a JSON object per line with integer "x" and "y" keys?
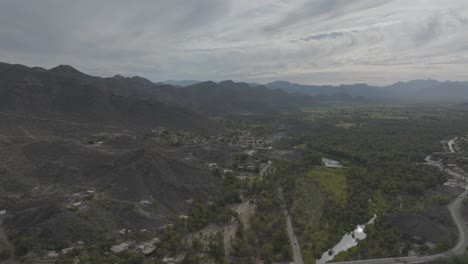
{"x": 119, "y": 248}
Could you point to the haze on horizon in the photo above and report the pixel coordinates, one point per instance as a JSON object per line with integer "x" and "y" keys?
{"x": 311, "y": 42}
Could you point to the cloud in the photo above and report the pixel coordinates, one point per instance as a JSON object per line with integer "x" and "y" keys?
{"x": 311, "y": 41}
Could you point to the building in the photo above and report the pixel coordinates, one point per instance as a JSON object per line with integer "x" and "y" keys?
{"x": 148, "y": 250}
{"x": 155, "y": 241}
{"x": 329, "y": 163}
{"x": 170, "y": 260}
{"x": 119, "y": 248}
{"x": 213, "y": 166}
{"x": 263, "y": 152}
{"x": 123, "y": 231}
{"x": 51, "y": 255}
{"x": 149, "y": 247}
{"x": 67, "y": 250}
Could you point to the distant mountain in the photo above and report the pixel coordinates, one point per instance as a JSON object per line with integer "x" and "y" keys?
{"x": 215, "y": 99}
{"x": 230, "y": 97}
{"x": 305, "y": 89}
{"x": 412, "y": 91}
{"x": 429, "y": 91}
{"x": 182, "y": 83}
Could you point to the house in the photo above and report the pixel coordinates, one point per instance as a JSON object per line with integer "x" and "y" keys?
{"x": 212, "y": 166}
{"x": 119, "y": 248}
{"x": 123, "y": 231}
{"x": 170, "y": 260}
{"x": 149, "y": 247}
{"x": 262, "y": 152}
{"x": 67, "y": 250}
{"x": 51, "y": 255}
{"x": 166, "y": 226}
{"x": 148, "y": 250}
{"x": 183, "y": 217}
{"x": 89, "y": 194}
{"x": 155, "y": 241}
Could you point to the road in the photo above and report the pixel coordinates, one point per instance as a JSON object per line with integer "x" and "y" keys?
{"x": 266, "y": 168}
{"x": 292, "y": 236}
{"x": 461, "y": 247}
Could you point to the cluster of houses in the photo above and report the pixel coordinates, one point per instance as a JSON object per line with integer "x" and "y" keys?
{"x": 147, "y": 249}
{"x": 246, "y": 141}
{"x": 167, "y": 136}
{"x": 455, "y": 183}
{"x": 77, "y": 200}
{"x": 55, "y": 254}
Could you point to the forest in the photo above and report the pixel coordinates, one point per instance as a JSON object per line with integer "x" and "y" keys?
{"x": 383, "y": 174}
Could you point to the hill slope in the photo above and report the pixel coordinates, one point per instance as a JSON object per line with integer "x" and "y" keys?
{"x": 66, "y": 93}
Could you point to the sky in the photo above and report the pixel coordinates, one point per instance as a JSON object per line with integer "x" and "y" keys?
{"x": 304, "y": 41}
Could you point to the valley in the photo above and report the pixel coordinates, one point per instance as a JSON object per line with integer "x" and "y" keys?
{"x": 130, "y": 171}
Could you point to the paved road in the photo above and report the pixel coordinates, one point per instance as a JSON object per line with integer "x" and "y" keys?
{"x": 266, "y": 168}
{"x": 292, "y": 236}
{"x": 461, "y": 247}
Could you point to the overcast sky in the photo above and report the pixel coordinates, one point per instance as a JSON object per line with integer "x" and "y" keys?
{"x": 312, "y": 42}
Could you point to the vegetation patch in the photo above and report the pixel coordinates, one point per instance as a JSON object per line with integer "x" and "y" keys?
{"x": 332, "y": 182}
{"x": 345, "y": 125}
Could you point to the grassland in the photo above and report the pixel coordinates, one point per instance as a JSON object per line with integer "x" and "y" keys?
{"x": 332, "y": 182}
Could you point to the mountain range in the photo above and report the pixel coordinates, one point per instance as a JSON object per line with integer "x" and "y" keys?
{"x": 411, "y": 91}
{"x": 64, "y": 92}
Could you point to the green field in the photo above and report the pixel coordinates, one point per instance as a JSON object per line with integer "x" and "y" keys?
{"x": 332, "y": 182}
